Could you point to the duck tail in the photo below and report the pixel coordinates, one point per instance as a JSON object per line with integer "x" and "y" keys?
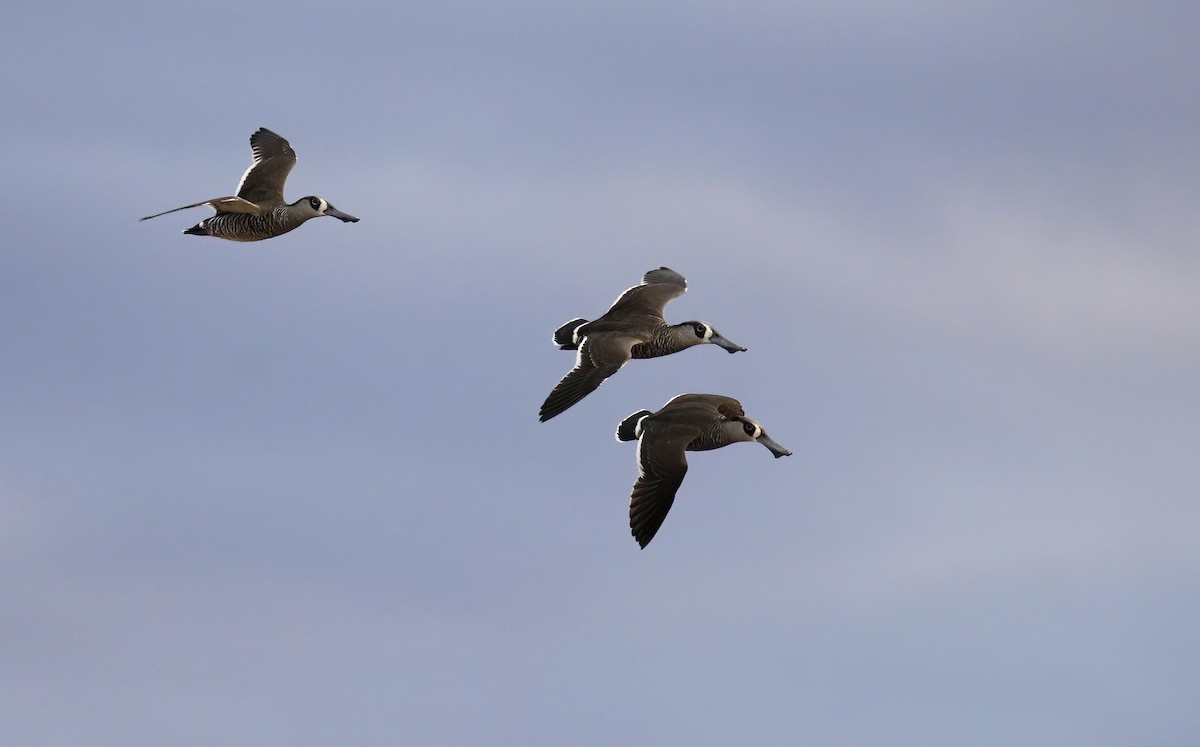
{"x": 628, "y": 429}
{"x": 564, "y": 336}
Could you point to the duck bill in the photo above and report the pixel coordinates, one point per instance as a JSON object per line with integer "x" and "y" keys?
{"x": 775, "y": 448}
{"x": 729, "y": 345}
{"x": 343, "y": 217}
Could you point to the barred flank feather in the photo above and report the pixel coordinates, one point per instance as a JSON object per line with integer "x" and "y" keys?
{"x": 666, "y": 340}
{"x": 247, "y": 227}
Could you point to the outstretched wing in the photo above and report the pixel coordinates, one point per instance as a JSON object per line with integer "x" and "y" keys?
{"x": 274, "y": 158}
{"x": 662, "y": 465}
{"x": 599, "y": 357}
{"x": 220, "y": 204}
{"x": 650, "y": 298}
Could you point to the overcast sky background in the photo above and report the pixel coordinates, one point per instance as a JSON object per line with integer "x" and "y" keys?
{"x": 295, "y": 492}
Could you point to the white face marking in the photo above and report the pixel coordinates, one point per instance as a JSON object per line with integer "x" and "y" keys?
{"x": 755, "y": 433}
{"x": 757, "y": 430}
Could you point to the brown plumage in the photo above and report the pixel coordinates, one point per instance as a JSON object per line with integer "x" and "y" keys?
{"x": 259, "y": 211}
{"x": 634, "y": 327}
{"x": 688, "y": 422}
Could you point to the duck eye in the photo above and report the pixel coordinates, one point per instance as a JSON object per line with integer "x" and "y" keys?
{"x": 749, "y": 428}
{"x": 700, "y": 330}
{"x": 316, "y": 204}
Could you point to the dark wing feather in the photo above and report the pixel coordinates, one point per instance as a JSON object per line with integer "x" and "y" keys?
{"x": 662, "y": 464}
{"x": 274, "y": 158}
{"x": 701, "y": 407}
{"x": 651, "y": 297}
{"x": 730, "y": 408}
{"x": 596, "y": 361}
{"x": 649, "y": 503}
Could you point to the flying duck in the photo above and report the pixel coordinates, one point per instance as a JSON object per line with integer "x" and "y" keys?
{"x": 259, "y": 211}
{"x": 689, "y": 422}
{"x": 633, "y": 327}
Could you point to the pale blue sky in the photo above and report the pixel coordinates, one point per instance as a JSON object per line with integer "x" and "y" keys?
{"x": 295, "y": 492}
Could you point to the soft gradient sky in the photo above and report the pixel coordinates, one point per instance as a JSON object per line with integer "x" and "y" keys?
{"x": 295, "y": 492}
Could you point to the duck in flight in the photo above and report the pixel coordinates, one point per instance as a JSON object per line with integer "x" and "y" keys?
{"x": 634, "y": 327}
{"x": 258, "y": 211}
{"x": 689, "y": 422}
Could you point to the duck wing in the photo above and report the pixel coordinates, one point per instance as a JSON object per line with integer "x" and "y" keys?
{"x": 649, "y": 299}
{"x": 662, "y": 465}
{"x": 599, "y": 357}
{"x": 274, "y": 158}
{"x": 220, "y": 204}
